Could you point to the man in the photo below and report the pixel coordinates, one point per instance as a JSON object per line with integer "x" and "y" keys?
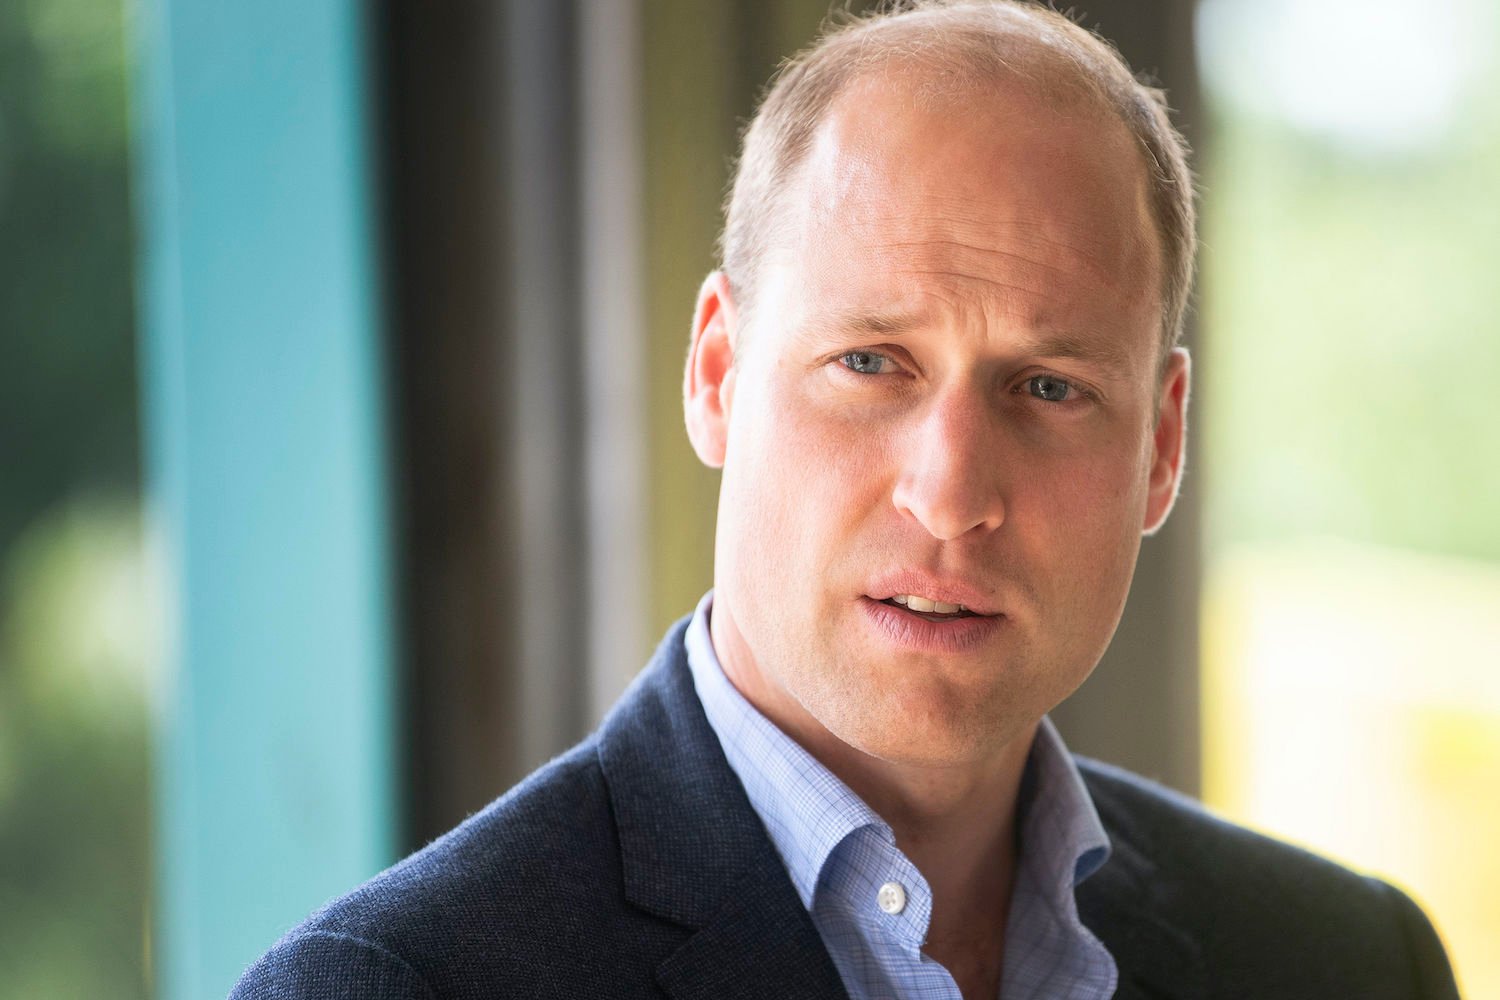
{"x": 940, "y": 372}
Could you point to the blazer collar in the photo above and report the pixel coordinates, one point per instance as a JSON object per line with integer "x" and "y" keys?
{"x": 694, "y": 852}
{"x": 1129, "y": 905}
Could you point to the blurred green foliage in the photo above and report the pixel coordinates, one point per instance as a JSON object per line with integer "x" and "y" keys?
{"x": 74, "y": 758}
{"x": 74, "y": 755}
{"x": 67, "y": 385}
{"x": 1352, "y": 312}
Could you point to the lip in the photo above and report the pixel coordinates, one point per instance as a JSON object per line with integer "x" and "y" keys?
{"x": 906, "y": 629}
{"x": 935, "y": 588}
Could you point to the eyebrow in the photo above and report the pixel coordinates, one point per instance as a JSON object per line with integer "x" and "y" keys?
{"x": 1106, "y": 351}
{"x": 862, "y": 321}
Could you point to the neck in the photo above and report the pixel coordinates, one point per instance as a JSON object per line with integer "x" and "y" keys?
{"x": 956, "y": 823}
{"x": 958, "y": 827}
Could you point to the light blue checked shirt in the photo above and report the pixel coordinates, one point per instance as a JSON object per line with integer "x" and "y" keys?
{"x": 839, "y": 854}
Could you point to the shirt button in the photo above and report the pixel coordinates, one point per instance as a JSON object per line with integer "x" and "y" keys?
{"x": 892, "y": 897}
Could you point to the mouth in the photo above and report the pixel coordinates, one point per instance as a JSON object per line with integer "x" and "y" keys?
{"x": 922, "y": 625}
{"x": 927, "y": 609}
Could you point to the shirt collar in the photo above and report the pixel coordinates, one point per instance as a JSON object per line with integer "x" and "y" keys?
{"x": 1059, "y": 825}
{"x": 808, "y": 812}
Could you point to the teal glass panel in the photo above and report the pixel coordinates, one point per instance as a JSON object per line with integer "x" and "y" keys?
{"x": 267, "y": 500}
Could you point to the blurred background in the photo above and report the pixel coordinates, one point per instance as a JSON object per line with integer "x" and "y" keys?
{"x": 342, "y": 479}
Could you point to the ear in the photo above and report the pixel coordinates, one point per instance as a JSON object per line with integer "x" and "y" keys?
{"x": 708, "y": 384}
{"x": 1169, "y": 442}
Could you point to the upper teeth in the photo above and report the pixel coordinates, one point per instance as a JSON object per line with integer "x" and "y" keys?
{"x": 923, "y": 604}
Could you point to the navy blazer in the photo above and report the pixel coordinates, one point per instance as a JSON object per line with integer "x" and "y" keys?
{"x": 635, "y": 866}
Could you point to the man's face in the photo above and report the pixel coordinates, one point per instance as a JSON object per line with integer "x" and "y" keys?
{"x": 949, "y": 392}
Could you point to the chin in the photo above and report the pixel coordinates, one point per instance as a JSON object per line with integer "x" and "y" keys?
{"x": 932, "y": 749}
{"x": 931, "y": 728}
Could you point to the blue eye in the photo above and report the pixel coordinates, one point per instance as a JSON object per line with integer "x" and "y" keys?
{"x": 1050, "y": 388}
{"x": 864, "y": 362}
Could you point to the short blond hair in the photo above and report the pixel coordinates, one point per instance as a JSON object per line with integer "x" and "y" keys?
{"x": 966, "y": 44}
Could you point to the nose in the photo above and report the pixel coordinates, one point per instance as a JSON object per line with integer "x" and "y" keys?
{"x": 951, "y": 480}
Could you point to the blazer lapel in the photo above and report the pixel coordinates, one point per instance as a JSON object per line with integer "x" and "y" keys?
{"x": 1128, "y": 906}
{"x": 760, "y": 944}
{"x": 693, "y": 850}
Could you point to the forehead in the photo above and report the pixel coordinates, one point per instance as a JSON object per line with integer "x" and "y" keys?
{"x": 1030, "y": 201}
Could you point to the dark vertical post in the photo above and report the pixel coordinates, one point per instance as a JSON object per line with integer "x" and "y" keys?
{"x": 484, "y": 202}
{"x": 446, "y": 219}
{"x": 542, "y": 401}
{"x": 513, "y": 175}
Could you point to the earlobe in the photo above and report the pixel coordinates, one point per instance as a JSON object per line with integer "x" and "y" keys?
{"x": 1169, "y": 444}
{"x": 708, "y": 383}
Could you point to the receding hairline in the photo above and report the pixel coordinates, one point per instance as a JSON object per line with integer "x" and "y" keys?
{"x": 945, "y": 49}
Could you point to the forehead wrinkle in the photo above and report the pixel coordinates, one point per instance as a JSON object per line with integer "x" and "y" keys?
{"x": 1012, "y": 293}
{"x": 1037, "y": 251}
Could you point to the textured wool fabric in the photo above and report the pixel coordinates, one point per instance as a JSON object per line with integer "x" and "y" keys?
{"x": 839, "y": 854}
{"x": 635, "y": 866}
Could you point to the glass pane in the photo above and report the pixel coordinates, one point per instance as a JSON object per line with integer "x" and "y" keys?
{"x": 1352, "y": 600}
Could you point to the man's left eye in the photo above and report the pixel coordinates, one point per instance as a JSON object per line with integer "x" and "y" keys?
{"x": 865, "y": 362}
{"x": 1050, "y": 388}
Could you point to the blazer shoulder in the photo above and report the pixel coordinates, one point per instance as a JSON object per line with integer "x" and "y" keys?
{"x": 331, "y": 966}
{"x": 506, "y": 896}
{"x": 1268, "y": 915}
{"x": 1176, "y": 835}
{"x": 548, "y": 834}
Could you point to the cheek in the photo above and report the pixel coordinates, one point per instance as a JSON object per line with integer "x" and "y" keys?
{"x": 1082, "y": 514}
{"x": 801, "y": 467}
